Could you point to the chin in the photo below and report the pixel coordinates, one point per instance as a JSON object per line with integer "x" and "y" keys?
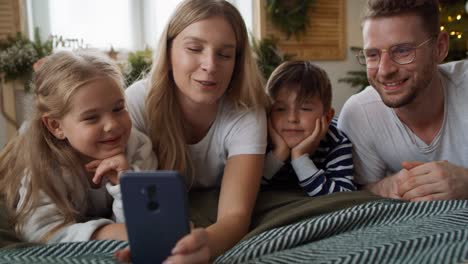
{"x": 109, "y": 153}
{"x": 291, "y": 144}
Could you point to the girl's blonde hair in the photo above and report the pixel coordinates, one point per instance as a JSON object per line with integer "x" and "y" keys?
{"x": 38, "y": 154}
{"x": 162, "y": 108}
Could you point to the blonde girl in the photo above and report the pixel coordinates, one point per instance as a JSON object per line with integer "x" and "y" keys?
{"x": 203, "y": 108}
{"x": 59, "y": 176}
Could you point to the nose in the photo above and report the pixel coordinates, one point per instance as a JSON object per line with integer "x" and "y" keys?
{"x": 110, "y": 124}
{"x": 208, "y": 63}
{"x": 386, "y": 65}
{"x": 293, "y": 116}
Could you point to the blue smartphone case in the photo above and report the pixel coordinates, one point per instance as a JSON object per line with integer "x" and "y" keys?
{"x": 156, "y": 214}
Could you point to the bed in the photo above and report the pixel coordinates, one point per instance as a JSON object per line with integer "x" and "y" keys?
{"x": 288, "y": 227}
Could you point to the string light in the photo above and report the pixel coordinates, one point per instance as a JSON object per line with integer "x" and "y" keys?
{"x": 454, "y": 20}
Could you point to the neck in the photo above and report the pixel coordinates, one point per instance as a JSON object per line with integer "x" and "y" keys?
{"x": 425, "y": 115}
{"x": 198, "y": 119}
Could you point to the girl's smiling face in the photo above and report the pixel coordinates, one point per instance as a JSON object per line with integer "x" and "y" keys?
{"x": 98, "y": 124}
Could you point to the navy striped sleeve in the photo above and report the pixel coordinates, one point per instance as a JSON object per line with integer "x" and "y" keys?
{"x": 334, "y": 165}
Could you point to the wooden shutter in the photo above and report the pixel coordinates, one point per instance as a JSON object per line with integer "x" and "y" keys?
{"x": 324, "y": 39}
{"x": 10, "y": 18}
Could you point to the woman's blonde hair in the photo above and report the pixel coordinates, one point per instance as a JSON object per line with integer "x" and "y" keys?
{"x": 38, "y": 154}
{"x": 163, "y": 111}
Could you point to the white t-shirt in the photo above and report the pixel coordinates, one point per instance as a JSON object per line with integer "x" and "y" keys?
{"x": 382, "y": 142}
{"x": 234, "y": 132}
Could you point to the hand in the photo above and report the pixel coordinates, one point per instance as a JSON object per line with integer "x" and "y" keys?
{"x": 192, "y": 248}
{"x": 281, "y": 150}
{"x": 439, "y": 180}
{"x": 111, "y": 168}
{"x": 389, "y": 186}
{"x": 310, "y": 143}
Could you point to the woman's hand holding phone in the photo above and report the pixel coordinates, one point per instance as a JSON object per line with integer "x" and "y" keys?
{"x": 192, "y": 248}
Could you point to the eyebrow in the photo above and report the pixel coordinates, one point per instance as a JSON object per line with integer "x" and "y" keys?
{"x": 224, "y": 45}
{"x": 93, "y": 110}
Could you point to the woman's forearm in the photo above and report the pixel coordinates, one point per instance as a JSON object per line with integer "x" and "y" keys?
{"x": 227, "y": 232}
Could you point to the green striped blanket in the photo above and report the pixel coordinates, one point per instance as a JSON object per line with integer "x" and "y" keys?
{"x": 384, "y": 231}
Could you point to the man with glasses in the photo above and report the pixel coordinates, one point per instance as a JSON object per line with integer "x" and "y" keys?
{"x": 410, "y": 128}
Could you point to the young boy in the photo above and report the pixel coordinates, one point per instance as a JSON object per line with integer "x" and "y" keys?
{"x": 305, "y": 143}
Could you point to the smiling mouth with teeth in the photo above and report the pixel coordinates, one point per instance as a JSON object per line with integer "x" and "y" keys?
{"x": 389, "y": 86}
{"x": 393, "y": 83}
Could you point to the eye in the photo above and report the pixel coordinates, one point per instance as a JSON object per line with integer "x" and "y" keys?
{"x": 118, "y": 109}
{"x": 194, "y": 49}
{"x": 371, "y": 53}
{"x": 278, "y": 108}
{"x": 90, "y": 118}
{"x": 225, "y": 55}
{"x": 402, "y": 50}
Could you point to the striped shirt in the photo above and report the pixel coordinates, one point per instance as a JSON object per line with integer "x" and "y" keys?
{"x": 329, "y": 169}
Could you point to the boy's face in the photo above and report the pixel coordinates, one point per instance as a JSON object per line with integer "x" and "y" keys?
{"x": 294, "y": 121}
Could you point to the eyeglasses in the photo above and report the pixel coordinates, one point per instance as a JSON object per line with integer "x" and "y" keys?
{"x": 401, "y": 54}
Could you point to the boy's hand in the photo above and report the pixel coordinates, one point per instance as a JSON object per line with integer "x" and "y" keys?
{"x": 280, "y": 150}
{"x": 111, "y": 168}
{"x": 310, "y": 143}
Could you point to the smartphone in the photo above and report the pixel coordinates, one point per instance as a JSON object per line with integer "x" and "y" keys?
{"x": 156, "y": 213}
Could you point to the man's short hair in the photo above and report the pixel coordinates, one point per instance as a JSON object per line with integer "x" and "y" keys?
{"x": 427, "y": 10}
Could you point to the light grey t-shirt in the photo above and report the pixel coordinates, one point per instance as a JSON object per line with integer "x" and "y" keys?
{"x": 46, "y": 216}
{"x": 234, "y": 132}
{"x": 382, "y": 142}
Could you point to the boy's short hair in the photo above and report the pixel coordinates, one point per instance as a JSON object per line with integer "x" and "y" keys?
{"x": 427, "y": 10}
{"x": 310, "y": 79}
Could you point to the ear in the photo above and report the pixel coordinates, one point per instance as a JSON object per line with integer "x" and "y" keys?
{"x": 329, "y": 115}
{"x": 442, "y": 46}
{"x": 54, "y": 126}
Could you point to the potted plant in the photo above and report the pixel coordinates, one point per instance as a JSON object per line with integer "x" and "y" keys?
{"x": 137, "y": 65}
{"x": 17, "y": 57}
{"x": 268, "y": 55}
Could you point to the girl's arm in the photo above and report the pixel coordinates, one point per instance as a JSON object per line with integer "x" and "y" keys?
{"x": 46, "y": 224}
{"x": 110, "y": 232}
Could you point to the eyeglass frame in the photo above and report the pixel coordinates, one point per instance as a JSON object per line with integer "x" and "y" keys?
{"x": 380, "y": 51}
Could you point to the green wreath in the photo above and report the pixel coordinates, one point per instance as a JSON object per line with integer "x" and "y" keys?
{"x": 289, "y": 16}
